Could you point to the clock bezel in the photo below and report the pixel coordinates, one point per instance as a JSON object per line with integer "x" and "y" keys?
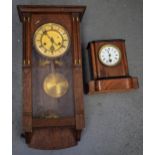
{"x": 38, "y": 50}
{"x": 114, "y": 46}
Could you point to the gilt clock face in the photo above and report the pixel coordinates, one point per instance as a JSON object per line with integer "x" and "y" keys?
{"x": 51, "y": 40}
{"x": 109, "y": 55}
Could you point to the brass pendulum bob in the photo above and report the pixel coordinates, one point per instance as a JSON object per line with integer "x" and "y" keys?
{"x": 55, "y": 84}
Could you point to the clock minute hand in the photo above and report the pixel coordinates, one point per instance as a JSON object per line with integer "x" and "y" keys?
{"x": 52, "y": 41}
{"x": 109, "y": 57}
{"x": 48, "y": 36}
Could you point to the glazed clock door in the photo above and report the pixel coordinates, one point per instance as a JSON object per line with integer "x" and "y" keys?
{"x": 52, "y": 70}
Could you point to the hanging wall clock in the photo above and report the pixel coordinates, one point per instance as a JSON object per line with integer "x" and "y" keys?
{"x": 53, "y": 113}
{"x": 109, "y": 67}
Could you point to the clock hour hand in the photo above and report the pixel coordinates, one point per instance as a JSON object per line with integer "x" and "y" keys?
{"x": 50, "y": 38}
{"x": 109, "y": 57}
{"x": 53, "y": 42}
{"x": 52, "y": 47}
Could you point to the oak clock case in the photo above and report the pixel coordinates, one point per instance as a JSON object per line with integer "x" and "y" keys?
{"x": 109, "y": 67}
{"x": 53, "y": 114}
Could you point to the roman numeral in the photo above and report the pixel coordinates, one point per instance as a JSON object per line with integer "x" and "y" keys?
{"x": 63, "y": 46}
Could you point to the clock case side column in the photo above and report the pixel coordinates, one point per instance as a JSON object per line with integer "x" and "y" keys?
{"x": 92, "y": 59}
{"x": 27, "y": 74}
{"x": 93, "y": 67}
{"x": 77, "y": 76}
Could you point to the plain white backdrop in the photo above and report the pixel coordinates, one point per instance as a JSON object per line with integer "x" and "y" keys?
{"x": 149, "y": 76}
{"x": 6, "y": 77}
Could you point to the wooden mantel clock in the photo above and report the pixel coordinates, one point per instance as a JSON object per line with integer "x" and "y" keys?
{"x": 53, "y": 113}
{"x": 109, "y": 67}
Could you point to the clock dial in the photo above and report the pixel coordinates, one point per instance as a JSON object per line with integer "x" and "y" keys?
{"x": 109, "y": 55}
{"x": 51, "y": 40}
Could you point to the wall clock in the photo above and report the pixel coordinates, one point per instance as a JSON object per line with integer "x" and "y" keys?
{"x": 109, "y": 67}
{"x": 53, "y": 113}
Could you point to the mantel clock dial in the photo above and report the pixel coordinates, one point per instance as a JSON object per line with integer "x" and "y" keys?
{"x": 109, "y": 55}
{"x": 51, "y": 40}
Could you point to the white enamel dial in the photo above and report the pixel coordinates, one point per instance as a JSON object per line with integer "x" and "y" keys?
{"x": 109, "y": 55}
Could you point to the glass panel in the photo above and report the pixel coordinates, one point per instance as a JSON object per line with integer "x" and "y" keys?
{"x": 52, "y": 86}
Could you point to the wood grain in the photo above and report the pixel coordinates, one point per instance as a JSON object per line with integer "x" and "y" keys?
{"x": 112, "y": 85}
{"x": 27, "y": 99}
{"x": 66, "y": 121}
{"x": 52, "y": 138}
{"x": 77, "y": 75}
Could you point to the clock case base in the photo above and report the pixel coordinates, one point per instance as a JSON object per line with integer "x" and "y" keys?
{"x": 51, "y": 138}
{"x": 112, "y": 85}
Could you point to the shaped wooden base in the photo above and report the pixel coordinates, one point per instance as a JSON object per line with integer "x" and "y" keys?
{"x": 49, "y": 134}
{"x": 112, "y": 85}
{"x": 50, "y": 138}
